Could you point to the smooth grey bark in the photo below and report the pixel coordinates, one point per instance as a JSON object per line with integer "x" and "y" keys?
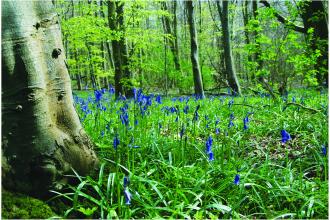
{"x": 232, "y": 78}
{"x": 194, "y": 50}
{"x": 42, "y": 138}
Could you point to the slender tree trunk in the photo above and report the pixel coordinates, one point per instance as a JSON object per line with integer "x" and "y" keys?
{"x": 120, "y": 51}
{"x": 232, "y": 78}
{"x": 172, "y": 42}
{"x": 194, "y": 50}
{"x": 245, "y": 5}
{"x": 42, "y": 137}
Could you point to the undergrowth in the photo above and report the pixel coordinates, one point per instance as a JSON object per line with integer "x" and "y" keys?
{"x": 218, "y": 157}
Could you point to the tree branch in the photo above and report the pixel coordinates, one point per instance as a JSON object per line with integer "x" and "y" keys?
{"x": 303, "y": 107}
{"x": 283, "y": 20}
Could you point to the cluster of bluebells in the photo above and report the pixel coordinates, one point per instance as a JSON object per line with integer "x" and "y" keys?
{"x": 231, "y": 118}
{"x": 208, "y": 150}
{"x": 124, "y": 115}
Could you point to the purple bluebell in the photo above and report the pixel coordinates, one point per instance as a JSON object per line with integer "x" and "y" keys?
{"x": 159, "y": 99}
{"x": 231, "y": 123}
{"x": 208, "y": 144}
{"x": 185, "y": 109}
{"x": 324, "y": 150}
{"x": 111, "y": 90}
{"x": 116, "y": 142}
{"x": 211, "y": 156}
{"x": 126, "y": 181}
{"x": 136, "y": 122}
{"x": 231, "y": 116}
{"x": 237, "y": 179}
{"x": 128, "y": 196}
{"x": 98, "y": 95}
{"x": 182, "y": 132}
{"x": 217, "y": 131}
{"x": 285, "y": 136}
{"x": 245, "y": 121}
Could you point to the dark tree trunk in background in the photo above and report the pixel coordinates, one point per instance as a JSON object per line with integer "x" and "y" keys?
{"x": 194, "y": 50}
{"x": 42, "y": 137}
{"x": 120, "y": 51}
{"x": 232, "y": 78}
{"x": 314, "y": 16}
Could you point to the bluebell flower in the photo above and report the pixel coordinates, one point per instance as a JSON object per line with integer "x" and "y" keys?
{"x": 217, "y": 122}
{"x": 128, "y": 196}
{"x": 98, "y": 95}
{"x": 285, "y": 136}
{"x": 111, "y": 90}
{"x": 181, "y": 99}
{"x": 217, "y": 131}
{"x": 231, "y": 116}
{"x": 231, "y": 123}
{"x": 159, "y": 99}
{"x": 324, "y": 150}
{"x": 185, "y": 109}
{"x": 237, "y": 178}
{"x": 208, "y": 144}
{"x": 102, "y": 133}
{"x": 116, "y": 142}
{"x": 245, "y": 121}
{"x": 126, "y": 181}
{"x": 182, "y": 132}
{"x": 211, "y": 156}
{"x": 177, "y": 118}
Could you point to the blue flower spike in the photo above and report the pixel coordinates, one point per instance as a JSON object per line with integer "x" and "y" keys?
{"x": 128, "y": 197}
{"x": 324, "y": 150}
{"x": 285, "y": 136}
{"x": 237, "y": 179}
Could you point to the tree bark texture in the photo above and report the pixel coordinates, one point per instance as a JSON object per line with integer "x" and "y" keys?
{"x": 194, "y": 50}
{"x": 42, "y": 138}
{"x": 232, "y": 78}
{"x": 119, "y": 49}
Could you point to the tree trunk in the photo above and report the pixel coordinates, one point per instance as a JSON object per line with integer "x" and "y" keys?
{"x": 172, "y": 42}
{"x": 119, "y": 48}
{"x": 194, "y": 50}
{"x": 232, "y": 78}
{"x": 42, "y": 137}
{"x": 314, "y": 16}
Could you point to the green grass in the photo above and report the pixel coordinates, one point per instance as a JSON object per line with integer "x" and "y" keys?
{"x": 171, "y": 177}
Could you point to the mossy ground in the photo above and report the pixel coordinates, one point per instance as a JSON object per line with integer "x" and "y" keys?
{"x": 19, "y": 206}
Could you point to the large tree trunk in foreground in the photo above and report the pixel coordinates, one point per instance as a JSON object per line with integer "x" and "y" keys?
{"x": 232, "y": 78}
{"x": 42, "y": 137}
{"x": 194, "y": 50}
